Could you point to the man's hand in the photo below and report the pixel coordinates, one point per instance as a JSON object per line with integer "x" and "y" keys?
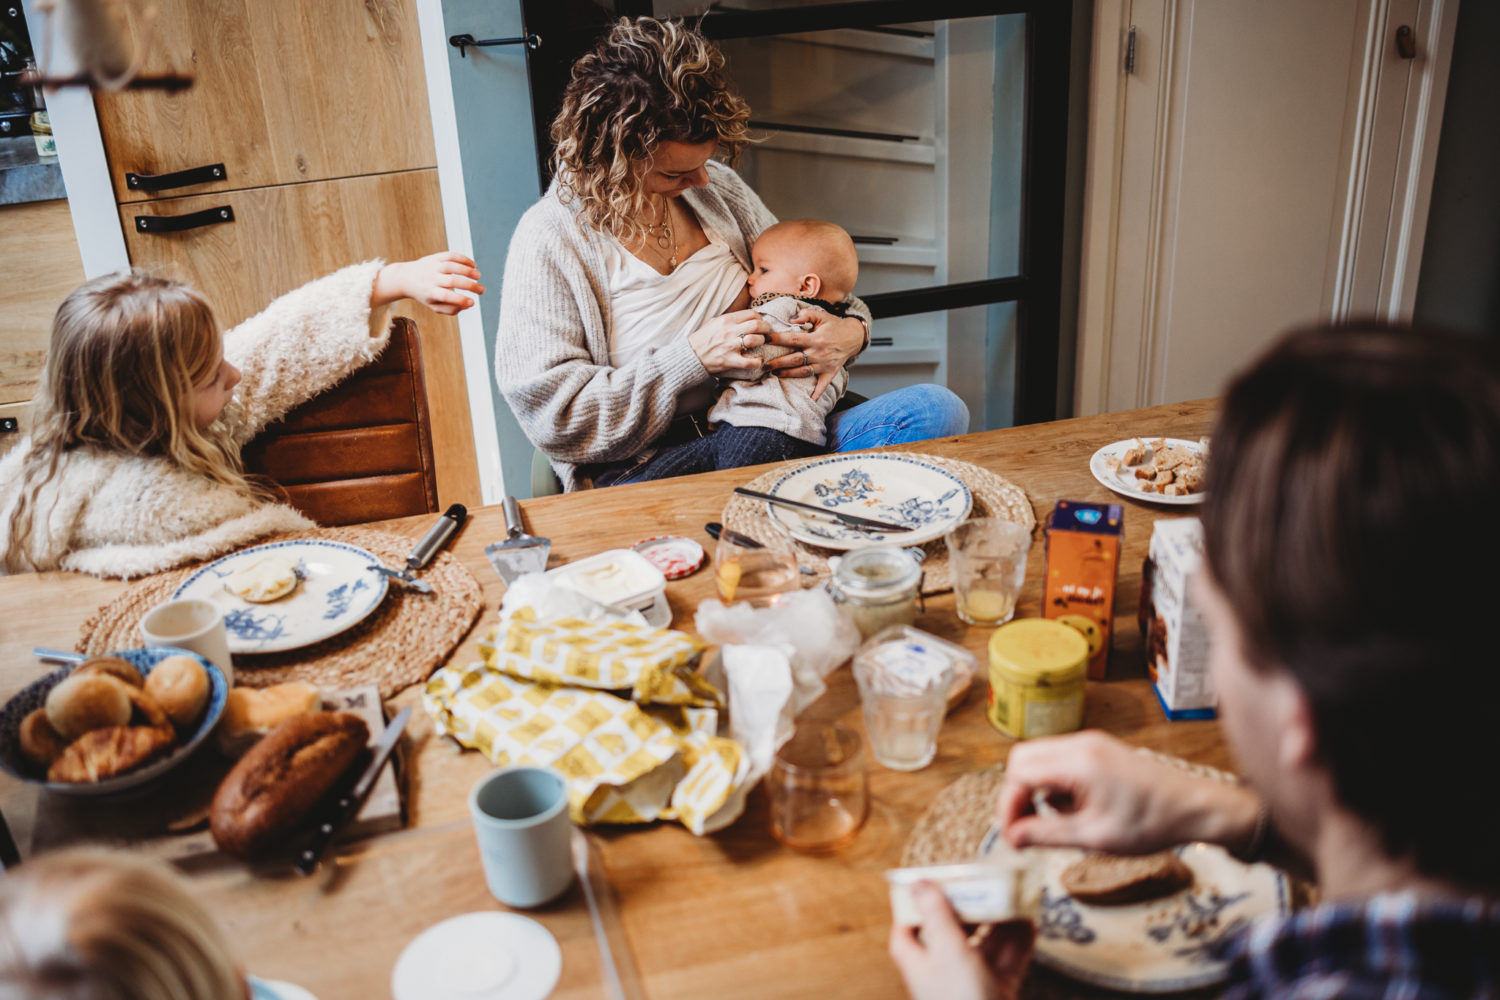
{"x": 941, "y": 964}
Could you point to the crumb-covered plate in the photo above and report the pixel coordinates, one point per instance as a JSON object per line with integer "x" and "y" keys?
{"x": 893, "y": 488}
{"x": 1108, "y": 466}
{"x": 1160, "y": 946}
{"x": 336, "y": 590}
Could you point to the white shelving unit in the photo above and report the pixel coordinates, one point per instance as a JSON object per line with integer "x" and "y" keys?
{"x": 923, "y": 87}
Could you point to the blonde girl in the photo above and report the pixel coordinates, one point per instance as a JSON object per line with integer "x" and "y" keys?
{"x": 89, "y": 924}
{"x": 132, "y": 465}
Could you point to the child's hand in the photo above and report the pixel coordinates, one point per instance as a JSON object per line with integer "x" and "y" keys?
{"x": 437, "y": 281}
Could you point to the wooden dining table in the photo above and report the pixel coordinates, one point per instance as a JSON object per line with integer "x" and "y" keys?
{"x": 729, "y": 915}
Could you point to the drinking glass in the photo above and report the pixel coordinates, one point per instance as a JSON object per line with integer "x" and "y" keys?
{"x": 903, "y": 687}
{"x": 755, "y": 575}
{"x": 987, "y": 556}
{"x": 818, "y": 789}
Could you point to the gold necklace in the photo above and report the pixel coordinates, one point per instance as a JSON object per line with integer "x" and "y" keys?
{"x": 662, "y": 230}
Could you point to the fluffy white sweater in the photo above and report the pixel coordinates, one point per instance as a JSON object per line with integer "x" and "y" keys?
{"x": 120, "y": 515}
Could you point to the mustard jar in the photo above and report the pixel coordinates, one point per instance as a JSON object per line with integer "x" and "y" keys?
{"x": 876, "y": 588}
{"x": 1037, "y": 669}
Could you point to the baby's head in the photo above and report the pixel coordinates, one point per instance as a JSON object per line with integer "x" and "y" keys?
{"x": 807, "y": 258}
{"x": 106, "y": 925}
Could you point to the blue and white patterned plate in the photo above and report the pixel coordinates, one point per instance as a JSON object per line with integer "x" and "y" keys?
{"x": 34, "y": 696}
{"x": 891, "y": 488}
{"x": 1160, "y": 946}
{"x": 337, "y": 590}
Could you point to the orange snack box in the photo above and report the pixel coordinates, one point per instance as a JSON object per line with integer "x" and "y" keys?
{"x": 1083, "y": 557}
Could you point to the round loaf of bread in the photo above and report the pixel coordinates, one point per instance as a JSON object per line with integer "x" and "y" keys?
{"x": 38, "y": 740}
{"x": 83, "y": 703}
{"x": 276, "y": 787}
{"x": 179, "y": 684}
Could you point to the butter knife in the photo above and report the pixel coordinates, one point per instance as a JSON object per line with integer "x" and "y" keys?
{"x": 349, "y": 804}
{"x": 852, "y": 520}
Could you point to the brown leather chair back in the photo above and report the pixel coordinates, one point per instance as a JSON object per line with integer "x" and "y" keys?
{"x": 362, "y": 451}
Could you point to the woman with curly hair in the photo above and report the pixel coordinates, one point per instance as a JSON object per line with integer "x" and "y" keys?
{"x": 624, "y": 294}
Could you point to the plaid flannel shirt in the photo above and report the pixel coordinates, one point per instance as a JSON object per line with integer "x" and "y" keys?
{"x": 1393, "y": 945}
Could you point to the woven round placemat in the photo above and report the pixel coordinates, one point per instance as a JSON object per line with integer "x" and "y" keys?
{"x": 954, "y": 825}
{"x": 994, "y": 496}
{"x": 400, "y": 644}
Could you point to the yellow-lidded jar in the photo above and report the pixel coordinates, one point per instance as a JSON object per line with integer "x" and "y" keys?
{"x": 1037, "y": 669}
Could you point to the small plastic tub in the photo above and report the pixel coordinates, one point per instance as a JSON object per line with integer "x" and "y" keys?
{"x": 620, "y": 578}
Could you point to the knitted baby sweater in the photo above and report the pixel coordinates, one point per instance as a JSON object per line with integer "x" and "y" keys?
{"x": 121, "y": 515}
{"x": 552, "y": 351}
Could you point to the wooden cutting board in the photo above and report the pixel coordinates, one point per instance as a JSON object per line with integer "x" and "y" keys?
{"x": 169, "y": 819}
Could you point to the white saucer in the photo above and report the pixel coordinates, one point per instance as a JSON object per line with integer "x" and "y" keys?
{"x": 479, "y": 956}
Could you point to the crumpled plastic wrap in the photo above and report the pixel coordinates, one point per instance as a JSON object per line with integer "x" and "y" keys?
{"x": 774, "y": 663}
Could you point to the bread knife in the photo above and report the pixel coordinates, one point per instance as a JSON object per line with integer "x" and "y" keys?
{"x": 853, "y": 521}
{"x": 349, "y": 804}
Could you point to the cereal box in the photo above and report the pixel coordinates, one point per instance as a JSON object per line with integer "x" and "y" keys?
{"x": 1083, "y": 555}
{"x": 1176, "y": 637}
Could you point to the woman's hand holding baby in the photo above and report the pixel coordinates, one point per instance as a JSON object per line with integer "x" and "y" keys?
{"x": 721, "y": 343}
{"x": 821, "y": 351}
{"x": 438, "y": 281}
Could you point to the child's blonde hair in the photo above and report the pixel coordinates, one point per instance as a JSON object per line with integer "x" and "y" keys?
{"x": 126, "y": 352}
{"x": 91, "y": 924}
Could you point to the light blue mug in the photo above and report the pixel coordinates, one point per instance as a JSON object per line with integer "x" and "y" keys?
{"x": 524, "y": 833}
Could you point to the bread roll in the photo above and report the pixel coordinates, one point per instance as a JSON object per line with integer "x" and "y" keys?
{"x": 278, "y": 785}
{"x": 89, "y": 701}
{"x": 1112, "y": 879}
{"x": 250, "y": 713}
{"x": 180, "y": 686}
{"x": 38, "y": 740}
{"x": 115, "y": 667}
{"x": 105, "y": 753}
{"x": 147, "y": 711}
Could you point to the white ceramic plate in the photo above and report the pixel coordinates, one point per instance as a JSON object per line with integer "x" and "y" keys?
{"x": 1161, "y": 946}
{"x": 1123, "y": 480}
{"x": 337, "y": 590}
{"x": 479, "y": 956}
{"x": 890, "y": 488}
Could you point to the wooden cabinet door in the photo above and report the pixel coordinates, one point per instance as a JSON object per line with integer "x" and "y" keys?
{"x": 284, "y": 91}
{"x": 283, "y": 237}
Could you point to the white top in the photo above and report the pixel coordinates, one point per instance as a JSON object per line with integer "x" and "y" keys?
{"x": 652, "y": 310}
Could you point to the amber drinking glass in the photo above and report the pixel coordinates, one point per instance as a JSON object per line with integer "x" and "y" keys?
{"x": 819, "y": 793}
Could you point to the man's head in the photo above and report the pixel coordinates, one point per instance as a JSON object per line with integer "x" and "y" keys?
{"x": 1353, "y": 536}
{"x": 808, "y": 258}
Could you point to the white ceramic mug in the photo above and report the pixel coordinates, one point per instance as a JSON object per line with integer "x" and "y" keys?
{"x": 192, "y": 624}
{"x": 524, "y": 833}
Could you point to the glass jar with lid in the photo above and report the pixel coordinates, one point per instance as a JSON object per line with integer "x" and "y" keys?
{"x": 877, "y": 587}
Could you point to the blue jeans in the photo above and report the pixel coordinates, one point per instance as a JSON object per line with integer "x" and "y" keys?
{"x": 915, "y": 413}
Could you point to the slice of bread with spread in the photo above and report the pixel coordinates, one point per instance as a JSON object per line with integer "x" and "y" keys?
{"x": 1114, "y": 879}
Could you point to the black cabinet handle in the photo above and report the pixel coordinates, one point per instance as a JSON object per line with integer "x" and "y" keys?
{"x": 462, "y": 42}
{"x": 182, "y": 178}
{"x": 178, "y": 223}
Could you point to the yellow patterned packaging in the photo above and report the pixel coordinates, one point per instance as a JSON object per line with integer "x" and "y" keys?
{"x": 657, "y": 666}
{"x": 622, "y": 763}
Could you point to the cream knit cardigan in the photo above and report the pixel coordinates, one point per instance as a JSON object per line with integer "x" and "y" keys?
{"x": 121, "y": 515}
{"x": 552, "y": 350}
